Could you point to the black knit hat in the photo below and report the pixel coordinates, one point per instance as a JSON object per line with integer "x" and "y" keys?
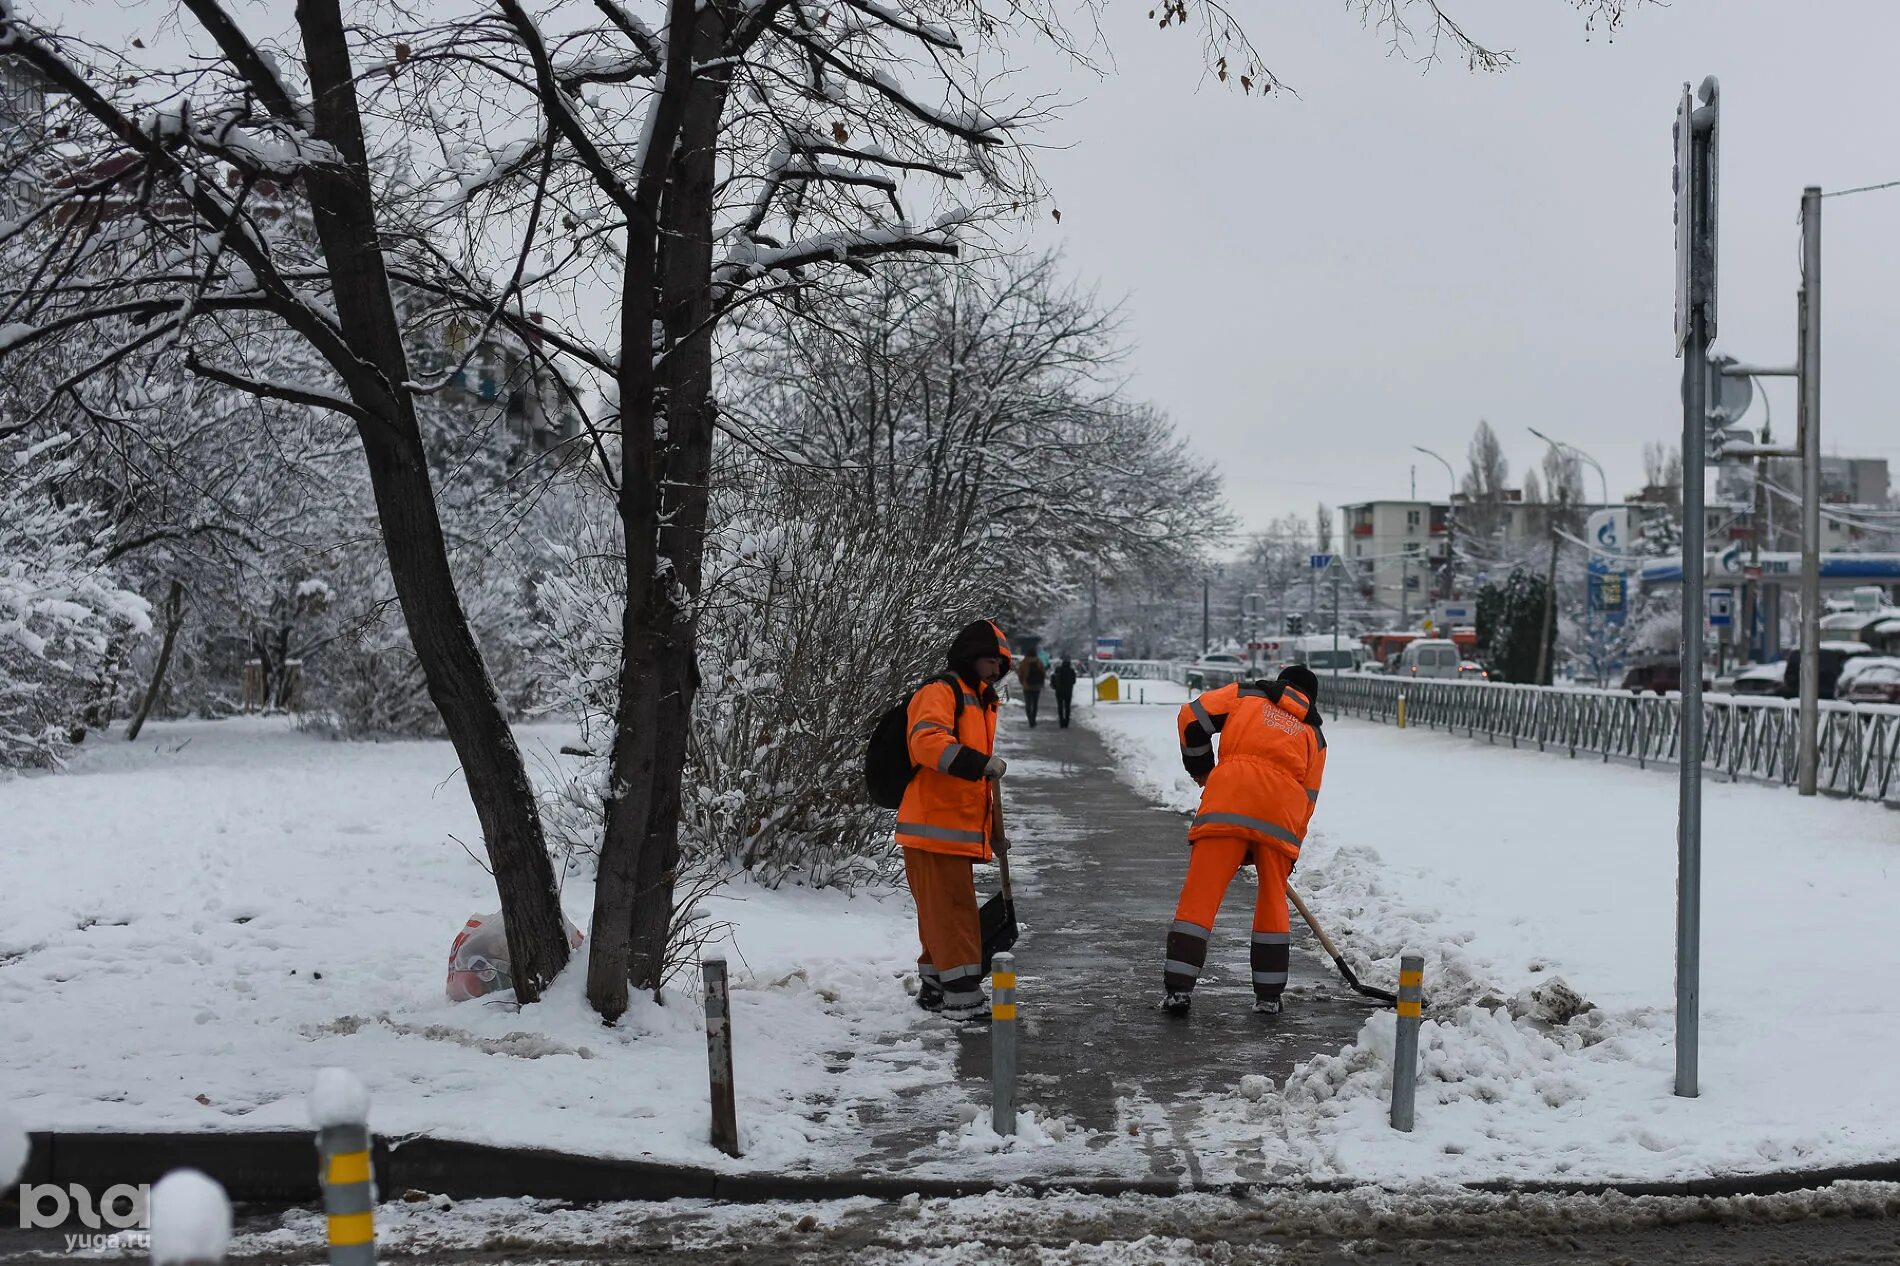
{"x": 1302, "y": 679}
{"x": 977, "y": 639}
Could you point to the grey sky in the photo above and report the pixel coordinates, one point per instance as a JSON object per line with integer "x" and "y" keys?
{"x": 1317, "y": 283}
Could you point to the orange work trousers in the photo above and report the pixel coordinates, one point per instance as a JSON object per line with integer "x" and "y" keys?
{"x": 944, "y": 888}
{"x": 1212, "y": 864}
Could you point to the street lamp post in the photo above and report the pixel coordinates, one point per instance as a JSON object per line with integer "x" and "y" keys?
{"x": 1603, "y": 483}
{"x": 1451, "y": 522}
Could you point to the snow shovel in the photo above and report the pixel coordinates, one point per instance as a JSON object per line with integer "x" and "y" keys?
{"x": 1327, "y": 943}
{"x": 997, "y": 918}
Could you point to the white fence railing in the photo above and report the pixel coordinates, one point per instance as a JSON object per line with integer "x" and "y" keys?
{"x": 1743, "y": 736}
{"x": 1140, "y": 669}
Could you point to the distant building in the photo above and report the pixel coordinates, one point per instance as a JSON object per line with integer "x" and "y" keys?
{"x": 1396, "y": 552}
{"x": 1400, "y": 552}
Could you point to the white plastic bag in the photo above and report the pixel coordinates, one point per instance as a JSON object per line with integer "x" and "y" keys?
{"x": 478, "y": 960}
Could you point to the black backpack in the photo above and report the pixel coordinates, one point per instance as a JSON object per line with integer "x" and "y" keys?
{"x": 887, "y": 764}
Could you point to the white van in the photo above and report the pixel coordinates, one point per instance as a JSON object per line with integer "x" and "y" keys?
{"x": 1430, "y": 657}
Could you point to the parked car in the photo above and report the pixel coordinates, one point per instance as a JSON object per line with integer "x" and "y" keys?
{"x": 1472, "y": 668}
{"x": 1876, "y": 679}
{"x": 1430, "y": 657}
{"x": 1658, "y": 678}
{"x": 1834, "y": 657}
{"x": 1760, "y": 679}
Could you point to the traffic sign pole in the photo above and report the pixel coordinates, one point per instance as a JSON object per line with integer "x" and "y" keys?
{"x": 1695, "y": 317}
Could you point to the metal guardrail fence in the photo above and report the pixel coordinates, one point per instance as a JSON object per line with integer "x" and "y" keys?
{"x": 1744, "y": 737}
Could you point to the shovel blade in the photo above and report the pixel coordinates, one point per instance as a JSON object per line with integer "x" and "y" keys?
{"x": 997, "y": 919}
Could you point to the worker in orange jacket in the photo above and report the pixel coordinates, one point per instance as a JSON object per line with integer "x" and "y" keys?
{"x": 944, "y": 823}
{"x": 1256, "y": 802}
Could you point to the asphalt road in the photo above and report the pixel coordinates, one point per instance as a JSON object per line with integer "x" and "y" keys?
{"x": 1096, "y": 871}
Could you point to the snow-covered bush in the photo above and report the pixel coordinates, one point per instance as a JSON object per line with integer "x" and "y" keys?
{"x": 63, "y": 609}
{"x": 818, "y": 612}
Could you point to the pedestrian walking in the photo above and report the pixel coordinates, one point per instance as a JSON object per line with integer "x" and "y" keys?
{"x": 1256, "y": 802}
{"x": 944, "y": 823}
{"x": 1063, "y": 679}
{"x": 1032, "y": 675}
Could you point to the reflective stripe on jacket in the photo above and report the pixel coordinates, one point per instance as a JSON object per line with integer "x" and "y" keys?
{"x": 1272, "y": 758}
{"x": 946, "y": 808}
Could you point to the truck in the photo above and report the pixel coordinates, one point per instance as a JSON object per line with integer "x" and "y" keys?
{"x": 1318, "y": 651}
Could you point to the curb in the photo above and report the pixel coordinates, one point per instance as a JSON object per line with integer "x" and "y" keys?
{"x": 281, "y": 1167}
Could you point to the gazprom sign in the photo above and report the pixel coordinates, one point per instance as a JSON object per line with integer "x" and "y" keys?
{"x": 1608, "y": 531}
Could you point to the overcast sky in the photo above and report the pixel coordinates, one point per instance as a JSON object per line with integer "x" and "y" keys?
{"x": 1316, "y": 283}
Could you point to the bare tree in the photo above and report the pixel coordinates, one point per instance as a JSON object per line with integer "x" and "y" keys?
{"x": 220, "y": 193}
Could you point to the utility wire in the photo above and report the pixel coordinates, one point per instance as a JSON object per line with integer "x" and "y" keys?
{"x": 1842, "y": 193}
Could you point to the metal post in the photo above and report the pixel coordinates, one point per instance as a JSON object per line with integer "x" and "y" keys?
{"x": 1808, "y": 754}
{"x": 1405, "y": 1041}
{"x": 1335, "y": 571}
{"x": 1204, "y": 642}
{"x": 725, "y": 1112}
{"x": 1405, "y": 591}
{"x": 339, "y": 1108}
{"x": 1696, "y": 244}
{"x": 1003, "y": 1044}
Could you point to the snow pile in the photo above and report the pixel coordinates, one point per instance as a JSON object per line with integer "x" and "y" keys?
{"x": 1033, "y": 1129}
{"x": 191, "y": 1219}
{"x": 1542, "y": 893}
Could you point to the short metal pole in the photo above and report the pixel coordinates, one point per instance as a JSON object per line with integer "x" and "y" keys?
{"x": 1405, "y": 1041}
{"x": 725, "y": 1112}
{"x": 1401, "y": 710}
{"x": 1003, "y": 1045}
{"x": 339, "y": 1108}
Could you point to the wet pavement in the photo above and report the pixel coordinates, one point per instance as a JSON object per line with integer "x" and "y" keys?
{"x": 1096, "y": 871}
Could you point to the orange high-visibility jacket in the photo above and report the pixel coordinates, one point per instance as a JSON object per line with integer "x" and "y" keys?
{"x": 1272, "y": 757}
{"x": 946, "y": 808}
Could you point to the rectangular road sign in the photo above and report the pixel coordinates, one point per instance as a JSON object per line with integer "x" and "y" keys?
{"x": 1721, "y": 608}
{"x": 1320, "y": 562}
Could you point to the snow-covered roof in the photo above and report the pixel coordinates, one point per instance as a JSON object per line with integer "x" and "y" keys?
{"x": 1764, "y": 672}
{"x": 1848, "y": 648}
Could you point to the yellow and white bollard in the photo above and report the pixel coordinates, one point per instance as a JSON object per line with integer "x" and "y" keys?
{"x": 1401, "y": 711}
{"x": 1405, "y": 1041}
{"x": 339, "y": 1109}
{"x": 1003, "y": 1045}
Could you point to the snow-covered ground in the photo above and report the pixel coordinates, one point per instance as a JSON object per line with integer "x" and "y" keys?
{"x": 1512, "y": 869}
{"x": 192, "y": 925}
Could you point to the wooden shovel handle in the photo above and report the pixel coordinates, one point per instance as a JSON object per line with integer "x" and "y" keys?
{"x": 997, "y": 832}
{"x": 1311, "y": 922}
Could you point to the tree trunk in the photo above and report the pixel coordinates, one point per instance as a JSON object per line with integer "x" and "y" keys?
{"x": 174, "y": 616}
{"x": 685, "y": 285}
{"x": 647, "y": 616}
{"x": 451, "y": 661}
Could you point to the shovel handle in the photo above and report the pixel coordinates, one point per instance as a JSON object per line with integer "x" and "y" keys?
{"x": 997, "y": 832}
{"x": 1325, "y": 941}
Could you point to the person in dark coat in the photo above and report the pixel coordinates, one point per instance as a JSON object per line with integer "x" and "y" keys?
{"x": 1063, "y": 679}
